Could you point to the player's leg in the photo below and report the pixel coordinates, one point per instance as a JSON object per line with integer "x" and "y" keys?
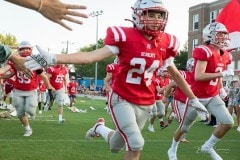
{"x": 217, "y": 107}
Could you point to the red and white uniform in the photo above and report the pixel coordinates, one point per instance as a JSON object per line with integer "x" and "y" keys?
{"x": 72, "y": 88}
{"x": 57, "y": 76}
{"x": 179, "y": 97}
{"x": 24, "y": 83}
{"x": 216, "y": 63}
{"x": 9, "y": 84}
{"x": 41, "y": 85}
{"x": 158, "y": 96}
{"x": 139, "y": 58}
{"x": 114, "y": 69}
{"x": 178, "y": 94}
{"x": 161, "y": 82}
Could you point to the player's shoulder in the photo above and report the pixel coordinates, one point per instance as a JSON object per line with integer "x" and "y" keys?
{"x": 122, "y": 34}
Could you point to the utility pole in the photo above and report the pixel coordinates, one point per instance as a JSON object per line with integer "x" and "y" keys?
{"x": 67, "y": 42}
{"x": 96, "y": 14}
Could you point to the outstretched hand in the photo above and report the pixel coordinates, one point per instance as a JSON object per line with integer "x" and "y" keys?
{"x": 57, "y": 11}
{"x": 40, "y": 59}
{"x": 19, "y": 65}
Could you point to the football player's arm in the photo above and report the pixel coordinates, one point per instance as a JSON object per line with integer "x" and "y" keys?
{"x": 107, "y": 81}
{"x": 84, "y": 57}
{"x": 169, "y": 89}
{"x": 65, "y": 83}
{"x": 54, "y": 10}
{"x": 6, "y": 76}
{"x": 4, "y": 69}
{"x": 160, "y": 89}
{"x": 46, "y": 80}
{"x": 180, "y": 81}
{"x": 200, "y": 72}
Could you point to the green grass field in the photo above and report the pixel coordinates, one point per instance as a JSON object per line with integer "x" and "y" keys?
{"x": 51, "y": 141}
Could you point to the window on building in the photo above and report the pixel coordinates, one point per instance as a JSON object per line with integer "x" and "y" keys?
{"x": 232, "y": 65}
{"x": 194, "y": 43}
{"x": 195, "y": 22}
{"x": 213, "y": 15}
{"x": 238, "y": 67}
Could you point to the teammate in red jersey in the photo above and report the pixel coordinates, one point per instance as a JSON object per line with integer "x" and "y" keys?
{"x": 141, "y": 50}
{"x": 7, "y": 74}
{"x": 179, "y": 98}
{"x": 42, "y": 94}
{"x": 72, "y": 93}
{"x": 211, "y": 62}
{"x": 25, "y": 89}
{"x": 112, "y": 71}
{"x": 57, "y": 77}
{"x": 161, "y": 81}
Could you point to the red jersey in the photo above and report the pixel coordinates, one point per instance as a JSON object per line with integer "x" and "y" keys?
{"x": 161, "y": 82}
{"x": 138, "y": 60}
{"x": 216, "y": 63}
{"x": 72, "y": 87}
{"x": 24, "y": 83}
{"x": 114, "y": 69}
{"x": 41, "y": 85}
{"x": 178, "y": 94}
{"x": 57, "y": 76}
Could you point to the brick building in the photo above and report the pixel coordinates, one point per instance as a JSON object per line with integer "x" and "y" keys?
{"x": 199, "y": 16}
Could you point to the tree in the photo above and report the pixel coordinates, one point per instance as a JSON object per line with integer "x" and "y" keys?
{"x": 88, "y": 70}
{"x": 181, "y": 59}
{"x": 9, "y": 40}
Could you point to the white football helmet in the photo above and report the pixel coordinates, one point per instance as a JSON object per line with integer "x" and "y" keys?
{"x": 22, "y": 45}
{"x": 190, "y": 64}
{"x": 144, "y": 6}
{"x": 162, "y": 72}
{"x": 210, "y": 35}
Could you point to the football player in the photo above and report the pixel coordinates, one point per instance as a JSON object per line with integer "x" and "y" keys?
{"x": 141, "y": 50}
{"x": 211, "y": 62}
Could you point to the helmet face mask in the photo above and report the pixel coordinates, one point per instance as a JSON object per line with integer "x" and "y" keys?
{"x": 217, "y": 34}
{"x": 141, "y": 15}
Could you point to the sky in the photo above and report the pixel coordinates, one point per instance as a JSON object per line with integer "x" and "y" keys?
{"x": 29, "y": 25}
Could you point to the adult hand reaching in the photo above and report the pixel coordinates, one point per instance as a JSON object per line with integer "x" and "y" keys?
{"x": 54, "y": 10}
{"x": 19, "y": 65}
{"x": 6, "y": 54}
{"x": 57, "y": 11}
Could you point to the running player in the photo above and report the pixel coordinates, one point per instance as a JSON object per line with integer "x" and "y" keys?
{"x": 141, "y": 50}
{"x": 211, "y": 62}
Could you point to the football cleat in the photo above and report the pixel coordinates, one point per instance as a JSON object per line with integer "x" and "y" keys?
{"x": 211, "y": 152}
{"x": 150, "y": 128}
{"x": 61, "y": 121}
{"x": 28, "y": 133}
{"x": 163, "y": 125}
{"x": 171, "y": 154}
{"x": 92, "y": 131}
